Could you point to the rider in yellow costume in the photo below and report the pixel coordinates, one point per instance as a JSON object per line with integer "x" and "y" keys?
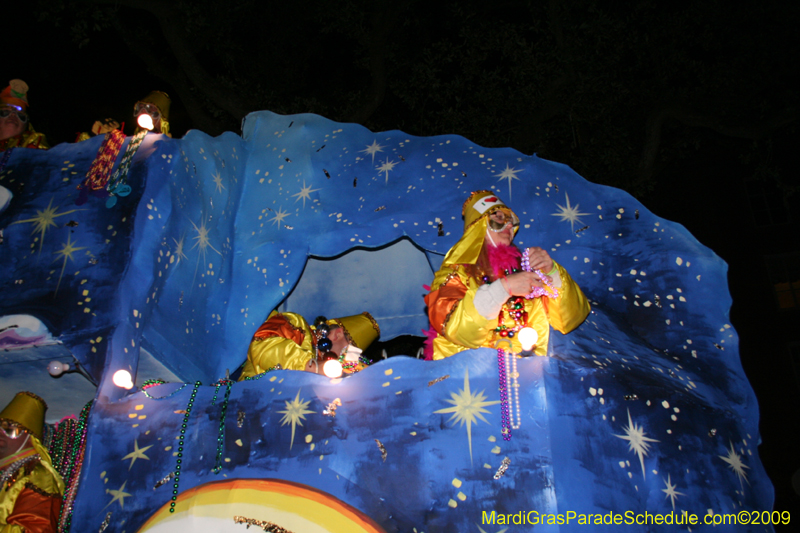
{"x": 475, "y": 304}
{"x": 287, "y": 341}
{"x": 30, "y": 488}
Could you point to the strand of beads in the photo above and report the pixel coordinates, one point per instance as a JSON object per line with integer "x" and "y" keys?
{"x": 76, "y": 453}
{"x": 221, "y": 434}
{"x": 181, "y": 438}
{"x": 503, "y": 378}
{"x": 5, "y": 159}
{"x": 538, "y": 291}
{"x": 512, "y": 380}
{"x": 150, "y": 383}
{"x": 353, "y": 365}
{"x": 517, "y": 313}
{"x": 264, "y": 373}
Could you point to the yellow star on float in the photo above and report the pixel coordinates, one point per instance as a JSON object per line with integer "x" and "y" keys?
{"x": 466, "y": 408}
{"x": 44, "y": 220}
{"x": 137, "y": 453}
{"x": 295, "y": 413}
{"x": 67, "y": 249}
{"x": 119, "y": 496}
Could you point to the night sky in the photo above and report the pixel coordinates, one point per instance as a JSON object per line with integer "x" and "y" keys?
{"x": 701, "y": 186}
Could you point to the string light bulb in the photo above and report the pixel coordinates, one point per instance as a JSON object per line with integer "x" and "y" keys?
{"x": 527, "y": 338}
{"x": 56, "y": 368}
{"x": 145, "y": 121}
{"x": 122, "y": 379}
{"x": 332, "y": 368}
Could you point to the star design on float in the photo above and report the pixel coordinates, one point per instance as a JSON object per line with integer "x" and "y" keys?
{"x": 179, "y": 248}
{"x": 203, "y": 242}
{"x": 508, "y": 174}
{"x": 119, "y": 496}
{"x": 735, "y": 463}
{"x": 569, "y": 213}
{"x": 217, "y": 179}
{"x": 67, "y": 249}
{"x": 372, "y": 149}
{"x": 45, "y": 220}
{"x": 637, "y": 441}
{"x": 137, "y": 453}
{"x": 295, "y": 414}
{"x": 386, "y": 167}
{"x": 304, "y": 194}
{"x": 279, "y": 216}
{"x": 466, "y": 408}
{"x": 670, "y": 491}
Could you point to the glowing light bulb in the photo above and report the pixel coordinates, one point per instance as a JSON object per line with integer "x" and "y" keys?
{"x": 56, "y": 368}
{"x": 332, "y": 368}
{"x": 145, "y": 121}
{"x": 122, "y": 379}
{"x": 527, "y": 338}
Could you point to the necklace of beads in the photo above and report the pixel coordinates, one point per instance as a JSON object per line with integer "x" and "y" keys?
{"x": 221, "y": 434}
{"x": 353, "y": 365}
{"x": 72, "y": 473}
{"x": 509, "y": 390}
{"x": 5, "y": 159}
{"x": 538, "y": 291}
{"x": 13, "y": 468}
{"x": 515, "y": 309}
{"x": 155, "y": 382}
{"x": 181, "y": 438}
{"x": 264, "y": 373}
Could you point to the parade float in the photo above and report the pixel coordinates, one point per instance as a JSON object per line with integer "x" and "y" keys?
{"x": 190, "y": 243}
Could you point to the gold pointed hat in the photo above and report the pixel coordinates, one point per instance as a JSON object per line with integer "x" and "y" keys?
{"x": 476, "y": 211}
{"x": 161, "y": 100}
{"x": 27, "y": 410}
{"x": 359, "y": 330}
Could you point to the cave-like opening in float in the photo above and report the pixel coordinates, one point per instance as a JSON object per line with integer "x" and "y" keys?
{"x": 386, "y": 281}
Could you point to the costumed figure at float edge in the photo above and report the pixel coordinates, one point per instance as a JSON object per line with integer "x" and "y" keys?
{"x": 152, "y": 113}
{"x": 15, "y": 126}
{"x": 287, "y": 341}
{"x": 487, "y": 290}
{"x": 30, "y": 488}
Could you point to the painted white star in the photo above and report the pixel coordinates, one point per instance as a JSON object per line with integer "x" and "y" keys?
{"x": 735, "y": 463}
{"x": 570, "y": 213}
{"x": 670, "y": 491}
{"x": 279, "y": 216}
{"x": 508, "y": 174}
{"x": 305, "y": 193}
{"x": 386, "y": 167}
{"x": 372, "y": 149}
{"x": 637, "y": 441}
{"x": 218, "y": 182}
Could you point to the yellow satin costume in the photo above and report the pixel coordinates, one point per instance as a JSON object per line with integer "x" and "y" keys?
{"x": 31, "y": 490}
{"x": 27, "y": 139}
{"x": 286, "y": 339}
{"x": 450, "y": 303}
